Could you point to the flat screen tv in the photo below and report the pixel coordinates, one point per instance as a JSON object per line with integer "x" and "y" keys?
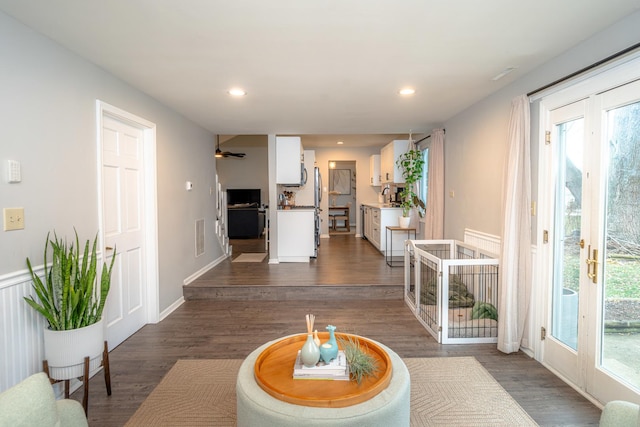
{"x": 243, "y": 196}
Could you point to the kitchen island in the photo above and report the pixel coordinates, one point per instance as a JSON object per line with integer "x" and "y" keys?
{"x": 377, "y": 216}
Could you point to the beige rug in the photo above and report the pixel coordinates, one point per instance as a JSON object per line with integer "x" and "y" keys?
{"x": 250, "y": 257}
{"x": 445, "y": 391}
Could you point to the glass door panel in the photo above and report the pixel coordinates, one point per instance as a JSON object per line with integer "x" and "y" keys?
{"x": 620, "y": 328}
{"x": 568, "y": 214}
{"x": 566, "y": 171}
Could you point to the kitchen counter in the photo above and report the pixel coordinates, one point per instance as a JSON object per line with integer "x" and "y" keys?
{"x": 381, "y": 206}
{"x": 296, "y": 208}
{"x": 377, "y": 217}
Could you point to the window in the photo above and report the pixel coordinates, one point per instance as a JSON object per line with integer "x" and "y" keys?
{"x": 423, "y": 187}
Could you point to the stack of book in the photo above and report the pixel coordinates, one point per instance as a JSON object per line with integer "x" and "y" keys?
{"x": 337, "y": 369}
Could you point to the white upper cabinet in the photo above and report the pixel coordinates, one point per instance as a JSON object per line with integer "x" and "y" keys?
{"x": 388, "y": 156}
{"x": 374, "y": 170}
{"x": 289, "y": 160}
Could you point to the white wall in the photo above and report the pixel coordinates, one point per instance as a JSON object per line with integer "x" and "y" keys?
{"x": 48, "y": 124}
{"x": 476, "y": 139}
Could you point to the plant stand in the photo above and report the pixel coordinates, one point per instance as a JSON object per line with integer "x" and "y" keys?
{"x": 388, "y": 252}
{"x": 85, "y": 377}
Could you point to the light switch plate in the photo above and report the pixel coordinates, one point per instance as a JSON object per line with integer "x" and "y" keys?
{"x": 13, "y": 172}
{"x": 13, "y": 219}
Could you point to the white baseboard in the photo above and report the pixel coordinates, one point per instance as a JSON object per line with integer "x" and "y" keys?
{"x": 173, "y": 307}
{"x": 204, "y": 269}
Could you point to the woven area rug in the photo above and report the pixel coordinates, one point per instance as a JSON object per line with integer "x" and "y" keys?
{"x": 445, "y": 391}
{"x": 250, "y": 257}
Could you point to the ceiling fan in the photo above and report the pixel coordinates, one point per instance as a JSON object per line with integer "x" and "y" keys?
{"x": 220, "y": 154}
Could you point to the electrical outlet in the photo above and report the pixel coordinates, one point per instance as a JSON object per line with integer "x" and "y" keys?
{"x": 13, "y": 219}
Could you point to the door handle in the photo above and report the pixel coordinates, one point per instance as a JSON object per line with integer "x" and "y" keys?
{"x": 108, "y": 248}
{"x": 592, "y": 264}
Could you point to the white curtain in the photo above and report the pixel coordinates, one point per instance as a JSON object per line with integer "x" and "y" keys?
{"x": 434, "y": 216}
{"x": 515, "y": 257}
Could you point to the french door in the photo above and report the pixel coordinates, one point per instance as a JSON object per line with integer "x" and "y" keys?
{"x": 592, "y": 242}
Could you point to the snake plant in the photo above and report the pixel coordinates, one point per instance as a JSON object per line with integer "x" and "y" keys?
{"x": 69, "y": 296}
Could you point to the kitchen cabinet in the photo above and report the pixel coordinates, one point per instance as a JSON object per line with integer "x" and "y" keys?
{"x": 388, "y": 155}
{"x": 366, "y": 222}
{"x": 289, "y": 160}
{"x": 374, "y": 170}
{"x": 377, "y": 218}
{"x": 296, "y": 235}
{"x": 375, "y": 228}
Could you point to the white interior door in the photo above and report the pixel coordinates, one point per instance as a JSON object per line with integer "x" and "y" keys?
{"x": 123, "y": 214}
{"x": 593, "y": 164}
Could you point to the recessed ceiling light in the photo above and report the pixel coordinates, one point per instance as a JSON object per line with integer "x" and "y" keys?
{"x": 237, "y": 92}
{"x": 407, "y": 91}
{"x": 340, "y": 142}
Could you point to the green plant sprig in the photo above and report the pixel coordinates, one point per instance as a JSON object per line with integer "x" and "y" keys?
{"x": 361, "y": 364}
{"x": 67, "y": 297}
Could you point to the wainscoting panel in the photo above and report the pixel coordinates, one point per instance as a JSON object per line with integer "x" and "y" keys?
{"x": 21, "y": 343}
{"x": 487, "y": 242}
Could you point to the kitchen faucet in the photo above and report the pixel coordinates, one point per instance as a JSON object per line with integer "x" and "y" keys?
{"x": 385, "y": 190}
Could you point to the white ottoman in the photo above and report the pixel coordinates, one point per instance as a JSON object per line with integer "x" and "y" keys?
{"x": 391, "y": 407}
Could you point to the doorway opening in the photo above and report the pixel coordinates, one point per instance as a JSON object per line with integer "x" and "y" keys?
{"x": 342, "y": 197}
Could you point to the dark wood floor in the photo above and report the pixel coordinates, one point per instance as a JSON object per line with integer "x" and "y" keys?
{"x": 342, "y": 260}
{"x": 232, "y": 329}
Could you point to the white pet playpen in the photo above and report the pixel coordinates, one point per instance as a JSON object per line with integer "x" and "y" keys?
{"x": 452, "y": 288}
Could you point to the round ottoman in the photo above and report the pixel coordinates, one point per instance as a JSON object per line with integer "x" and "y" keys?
{"x": 391, "y": 407}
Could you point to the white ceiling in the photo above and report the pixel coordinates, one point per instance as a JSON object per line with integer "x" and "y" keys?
{"x": 318, "y": 67}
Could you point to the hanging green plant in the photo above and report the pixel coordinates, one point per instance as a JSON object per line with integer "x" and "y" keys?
{"x": 412, "y": 165}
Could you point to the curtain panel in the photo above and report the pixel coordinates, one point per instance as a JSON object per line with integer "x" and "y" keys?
{"x": 434, "y": 215}
{"x": 515, "y": 256}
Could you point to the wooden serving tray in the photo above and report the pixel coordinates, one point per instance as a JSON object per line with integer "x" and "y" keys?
{"x": 273, "y": 372}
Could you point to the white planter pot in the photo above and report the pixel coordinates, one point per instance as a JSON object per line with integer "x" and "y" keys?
{"x": 404, "y": 221}
{"x": 65, "y": 351}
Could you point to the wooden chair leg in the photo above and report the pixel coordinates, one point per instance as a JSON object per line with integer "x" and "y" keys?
{"x": 85, "y": 380}
{"x": 105, "y": 364}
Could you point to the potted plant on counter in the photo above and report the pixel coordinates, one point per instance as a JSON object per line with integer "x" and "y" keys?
{"x": 72, "y": 300}
{"x": 411, "y": 164}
